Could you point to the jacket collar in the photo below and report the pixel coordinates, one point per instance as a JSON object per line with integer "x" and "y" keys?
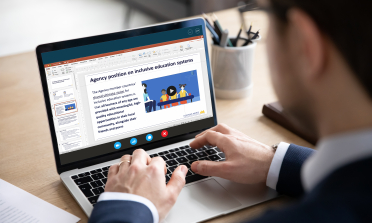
{"x": 334, "y": 152}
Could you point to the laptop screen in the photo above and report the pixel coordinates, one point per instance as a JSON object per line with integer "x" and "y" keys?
{"x": 120, "y": 94}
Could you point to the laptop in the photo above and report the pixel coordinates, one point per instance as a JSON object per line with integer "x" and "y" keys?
{"x": 148, "y": 88}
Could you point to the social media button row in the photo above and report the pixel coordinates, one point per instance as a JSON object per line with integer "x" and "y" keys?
{"x": 133, "y": 141}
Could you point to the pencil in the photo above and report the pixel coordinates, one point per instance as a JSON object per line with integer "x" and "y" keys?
{"x": 238, "y": 36}
{"x": 249, "y": 30}
{"x": 256, "y": 34}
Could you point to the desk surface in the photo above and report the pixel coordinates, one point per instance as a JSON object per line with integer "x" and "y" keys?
{"x": 26, "y": 154}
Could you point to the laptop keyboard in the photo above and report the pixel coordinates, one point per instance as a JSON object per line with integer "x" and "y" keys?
{"x": 92, "y": 183}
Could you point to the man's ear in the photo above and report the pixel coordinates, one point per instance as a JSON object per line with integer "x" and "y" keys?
{"x": 310, "y": 42}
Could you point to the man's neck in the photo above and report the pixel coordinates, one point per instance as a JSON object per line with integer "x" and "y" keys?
{"x": 347, "y": 109}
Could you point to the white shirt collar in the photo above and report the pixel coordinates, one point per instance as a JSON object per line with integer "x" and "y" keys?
{"x": 334, "y": 152}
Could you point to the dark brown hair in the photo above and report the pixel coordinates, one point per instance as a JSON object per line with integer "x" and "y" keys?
{"x": 347, "y": 23}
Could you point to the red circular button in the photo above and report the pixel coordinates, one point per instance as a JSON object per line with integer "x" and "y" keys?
{"x": 164, "y": 133}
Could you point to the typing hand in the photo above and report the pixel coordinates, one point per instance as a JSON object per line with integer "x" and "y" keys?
{"x": 247, "y": 160}
{"x": 145, "y": 177}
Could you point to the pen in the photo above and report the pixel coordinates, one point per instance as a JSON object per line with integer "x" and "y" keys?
{"x": 206, "y": 17}
{"x": 224, "y": 38}
{"x": 216, "y": 39}
{"x": 220, "y": 30}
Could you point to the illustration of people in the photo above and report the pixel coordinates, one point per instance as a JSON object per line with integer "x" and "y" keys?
{"x": 175, "y": 96}
{"x": 183, "y": 93}
{"x": 149, "y": 104}
{"x": 164, "y": 97}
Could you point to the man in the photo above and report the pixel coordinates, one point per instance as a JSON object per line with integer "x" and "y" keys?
{"x": 319, "y": 54}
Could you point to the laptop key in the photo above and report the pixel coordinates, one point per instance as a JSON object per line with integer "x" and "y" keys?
{"x": 171, "y": 162}
{"x": 209, "y": 146}
{"x": 167, "y": 178}
{"x": 87, "y": 173}
{"x": 218, "y": 150}
{"x": 211, "y": 151}
{"x": 85, "y": 188}
{"x": 214, "y": 157}
{"x": 187, "y": 164}
{"x": 192, "y": 157}
{"x": 104, "y": 181}
{"x": 105, "y": 173}
{"x": 222, "y": 155}
{"x": 96, "y": 191}
{"x": 222, "y": 159}
{"x": 168, "y": 171}
{"x": 94, "y": 184}
{"x": 201, "y": 154}
{"x": 99, "y": 170}
{"x": 182, "y": 160}
{"x": 83, "y": 180}
{"x": 181, "y": 153}
{"x": 101, "y": 190}
{"x": 105, "y": 168}
{"x": 172, "y": 150}
{"x": 93, "y": 200}
{"x": 74, "y": 177}
{"x": 93, "y": 172}
{"x": 164, "y": 158}
{"x": 189, "y": 173}
{"x": 97, "y": 176}
{"x": 99, "y": 183}
{"x": 171, "y": 156}
{"x": 172, "y": 168}
{"x": 81, "y": 175}
{"x": 191, "y": 151}
{"x": 194, "y": 178}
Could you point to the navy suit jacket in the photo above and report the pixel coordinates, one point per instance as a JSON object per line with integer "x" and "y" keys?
{"x": 344, "y": 196}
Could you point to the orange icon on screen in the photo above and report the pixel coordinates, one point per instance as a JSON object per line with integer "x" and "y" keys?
{"x": 202, "y": 112}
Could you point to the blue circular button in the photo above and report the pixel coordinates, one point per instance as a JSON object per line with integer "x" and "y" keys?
{"x": 149, "y": 137}
{"x": 117, "y": 145}
{"x": 133, "y": 141}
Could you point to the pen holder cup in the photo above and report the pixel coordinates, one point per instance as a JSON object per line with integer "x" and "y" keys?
{"x": 232, "y": 70}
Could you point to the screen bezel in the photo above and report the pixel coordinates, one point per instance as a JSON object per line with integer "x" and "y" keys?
{"x": 109, "y": 37}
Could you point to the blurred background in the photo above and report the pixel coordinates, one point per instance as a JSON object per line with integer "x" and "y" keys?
{"x": 24, "y": 24}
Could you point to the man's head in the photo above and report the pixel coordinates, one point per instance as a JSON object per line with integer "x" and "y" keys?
{"x": 319, "y": 54}
{"x": 163, "y": 91}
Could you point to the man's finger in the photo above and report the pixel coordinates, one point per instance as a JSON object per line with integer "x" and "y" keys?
{"x": 177, "y": 182}
{"x": 158, "y": 161}
{"x": 209, "y": 138}
{"x": 124, "y": 162}
{"x": 222, "y": 128}
{"x": 140, "y": 157}
{"x": 113, "y": 170}
{"x": 209, "y": 168}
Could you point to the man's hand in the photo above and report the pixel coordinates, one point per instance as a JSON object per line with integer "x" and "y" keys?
{"x": 247, "y": 160}
{"x": 145, "y": 177}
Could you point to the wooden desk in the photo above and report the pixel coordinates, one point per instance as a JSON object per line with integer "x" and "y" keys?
{"x": 26, "y": 154}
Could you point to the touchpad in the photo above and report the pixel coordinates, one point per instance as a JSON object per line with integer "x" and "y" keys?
{"x": 201, "y": 201}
